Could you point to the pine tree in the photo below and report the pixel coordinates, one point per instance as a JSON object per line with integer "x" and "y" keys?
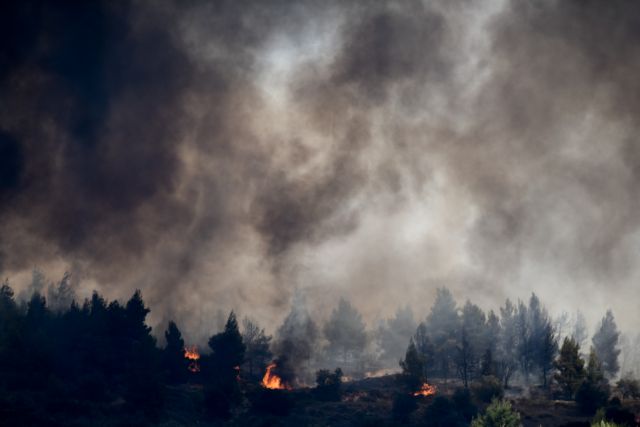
{"x": 570, "y": 368}
{"x": 173, "y": 354}
{"x": 345, "y": 332}
{"x": 593, "y": 393}
{"x": 412, "y": 367}
{"x": 472, "y": 342}
{"x": 221, "y": 369}
{"x": 61, "y": 295}
{"x": 393, "y": 334}
{"x": 228, "y": 351}
{"x": 548, "y": 348}
{"x": 425, "y": 349}
{"x": 257, "y": 354}
{"x": 605, "y": 343}
{"x": 443, "y": 325}
{"x": 507, "y": 351}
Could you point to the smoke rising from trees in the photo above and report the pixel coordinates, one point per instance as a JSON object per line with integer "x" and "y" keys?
{"x": 231, "y": 154}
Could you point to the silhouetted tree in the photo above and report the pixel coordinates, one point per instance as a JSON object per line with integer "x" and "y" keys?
{"x": 580, "y": 332}
{"x": 173, "y": 354}
{"x": 139, "y": 354}
{"x": 412, "y": 367}
{"x": 605, "y": 344}
{"x": 257, "y": 354}
{"x": 228, "y": 351}
{"x": 60, "y": 296}
{"x": 221, "y": 369}
{"x": 593, "y": 392}
{"x": 8, "y": 312}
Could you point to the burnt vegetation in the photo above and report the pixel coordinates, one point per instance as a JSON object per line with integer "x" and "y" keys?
{"x": 97, "y": 362}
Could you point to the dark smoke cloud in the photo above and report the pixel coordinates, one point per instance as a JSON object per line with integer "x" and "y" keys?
{"x": 223, "y": 154}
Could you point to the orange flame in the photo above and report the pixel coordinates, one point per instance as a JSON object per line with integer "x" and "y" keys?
{"x": 426, "y": 390}
{"x": 272, "y": 381}
{"x": 192, "y": 354}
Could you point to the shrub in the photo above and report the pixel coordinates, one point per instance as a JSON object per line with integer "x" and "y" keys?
{"x": 628, "y": 387}
{"x": 487, "y": 389}
{"x": 464, "y": 406}
{"x": 591, "y": 396}
{"x": 594, "y": 390}
{"x": 274, "y": 402}
{"x": 403, "y": 406}
{"x": 616, "y": 413}
{"x": 329, "y": 384}
{"x": 443, "y": 413}
{"x": 498, "y": 414}
{"x": 217, "y": 403}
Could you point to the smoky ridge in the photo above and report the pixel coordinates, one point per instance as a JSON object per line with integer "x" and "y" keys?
{"x": 298, "y": 163}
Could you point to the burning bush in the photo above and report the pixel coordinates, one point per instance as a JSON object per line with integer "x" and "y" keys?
{"x": 192, "y": 355}
{"x": 272, "y": 381}
{"x": 425, "y": 390}
{"x": 279, "y": 375}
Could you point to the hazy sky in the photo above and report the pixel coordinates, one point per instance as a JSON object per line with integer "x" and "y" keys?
{"x": 226, "y": 154}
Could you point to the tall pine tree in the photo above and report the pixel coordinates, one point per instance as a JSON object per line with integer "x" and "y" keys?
{"x": 605, "y": 344}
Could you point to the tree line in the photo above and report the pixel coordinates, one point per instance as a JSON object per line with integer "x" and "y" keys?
{"x": 78, "y": 356}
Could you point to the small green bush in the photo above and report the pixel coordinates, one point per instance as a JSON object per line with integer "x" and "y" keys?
{"x": 498, "y": 414}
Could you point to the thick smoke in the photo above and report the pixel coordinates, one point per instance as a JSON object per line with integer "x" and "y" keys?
{"x": 223, "y": 154}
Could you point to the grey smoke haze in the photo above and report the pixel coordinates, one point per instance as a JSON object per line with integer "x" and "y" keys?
{"x": 228, "y": 154}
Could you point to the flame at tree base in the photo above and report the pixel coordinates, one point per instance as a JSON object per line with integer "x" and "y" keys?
{"x": 273, "y": 381}
{"x": 426, "y": 390}
{"x": 191, "y": 353}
